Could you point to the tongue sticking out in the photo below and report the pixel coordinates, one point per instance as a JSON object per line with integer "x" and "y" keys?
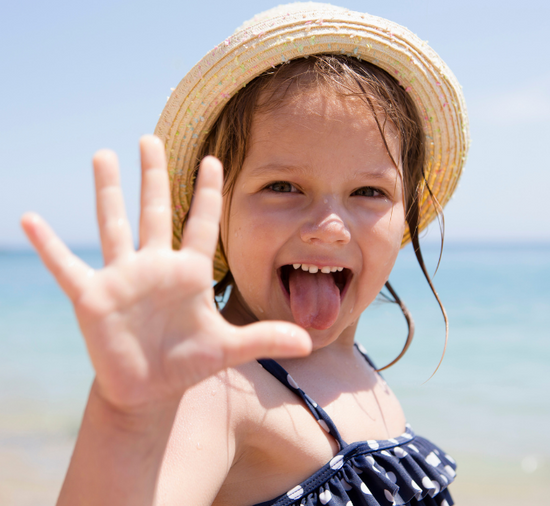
{"x": 314, "y": 299}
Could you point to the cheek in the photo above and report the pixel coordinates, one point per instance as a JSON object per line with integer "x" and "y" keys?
{"x": 390, "y": 231}
{"x": 382, "y": 245}
{"x": 251, "y": 246}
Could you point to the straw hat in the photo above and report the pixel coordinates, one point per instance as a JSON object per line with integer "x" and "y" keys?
{"x": 300, "y": 29}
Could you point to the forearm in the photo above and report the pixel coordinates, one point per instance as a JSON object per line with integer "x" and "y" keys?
{"x": 117, "y": 456}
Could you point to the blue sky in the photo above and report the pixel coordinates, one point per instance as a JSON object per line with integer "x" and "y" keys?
{"x": 79, "y": 76}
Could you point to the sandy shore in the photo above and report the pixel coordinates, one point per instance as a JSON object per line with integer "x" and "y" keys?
{"x": 32, "y": 467}
{"x": 501, "y": 482}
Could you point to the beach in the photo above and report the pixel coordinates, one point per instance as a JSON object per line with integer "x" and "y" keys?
{"x": 487, "y": 405}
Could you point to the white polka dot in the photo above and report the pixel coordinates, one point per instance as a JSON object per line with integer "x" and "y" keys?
{"x": 415, "y": 486}
{"x": 292, "y": 382}
{"x": 389, "y": 495}
{"x": 444, "y": 503}
{"x": 357, "y": 470}
{"x": 386, "y": 453}
{"x": 407, "y": 435}
{"x": 427, "y": 483}
{"x": 362, "y": 349}
{"x": 391, "y": 476}
{"x": 365, "y": 489}
{"x": 450, "y": 471}
{"x": 345, "y": 484}
{"x": 349, "y": 503}
{"x": 373, "y": 444}
{"x": 437, "y": 487}
{"x": 433, "y": 459}
{"x": 412, "y": 447}
{"x": 313, "y": 403}
{"x": 296, "y": 492}
{"x": 408, "y": 425}
{"x": 372, "y": 462}
{"x": 325, "y": 496}
{"x": 449, "y": 458}
{"x": 323, "y": 424}
{"x": 399, "y": 452}
{"x": 444, "y": 478}
{"x": 393, "y": 440}
{"x": 337, "y": 462}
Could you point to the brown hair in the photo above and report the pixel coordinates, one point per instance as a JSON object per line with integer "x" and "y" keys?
{"x": 346, "y": 77}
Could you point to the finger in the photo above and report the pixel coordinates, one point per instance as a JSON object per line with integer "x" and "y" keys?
{"x": 266, "y": 340}
{"x": 114, "y": 229}
{"x": 155, "y": 225}
{"x": 70, "y": 272}
{"x": 202, "y": 228}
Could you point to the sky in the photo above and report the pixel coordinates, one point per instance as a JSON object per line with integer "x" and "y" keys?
{"x": 78, "y": 76}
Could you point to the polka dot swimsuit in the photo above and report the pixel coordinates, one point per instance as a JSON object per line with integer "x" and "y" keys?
{"x": 406, "y": 470}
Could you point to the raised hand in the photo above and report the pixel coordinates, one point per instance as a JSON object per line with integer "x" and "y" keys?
{"x": 148, "y": 317}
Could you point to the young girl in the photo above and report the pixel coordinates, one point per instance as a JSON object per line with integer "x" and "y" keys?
{"x": 340, "y": 135}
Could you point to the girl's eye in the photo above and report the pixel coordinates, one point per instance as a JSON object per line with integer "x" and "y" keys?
{"x": 281, "y": 187}
{"x": 368, "y": 191}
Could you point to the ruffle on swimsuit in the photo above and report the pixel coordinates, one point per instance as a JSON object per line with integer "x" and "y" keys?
{"x": 406, "y": 470}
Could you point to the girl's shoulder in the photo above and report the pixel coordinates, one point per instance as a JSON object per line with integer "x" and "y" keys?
{"x": 240, "y": 426}
{"x": 221, "y": 410}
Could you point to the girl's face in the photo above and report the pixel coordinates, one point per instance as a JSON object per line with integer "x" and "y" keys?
{"x": 317, "y": 191}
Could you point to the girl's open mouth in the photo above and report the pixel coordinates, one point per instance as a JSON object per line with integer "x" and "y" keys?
{"x": 341, "y": 278}
{"x": 314, "y": 293}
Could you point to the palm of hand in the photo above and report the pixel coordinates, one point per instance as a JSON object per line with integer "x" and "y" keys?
{"x": 134, "y": 313}
{"x": 148, "y": 317}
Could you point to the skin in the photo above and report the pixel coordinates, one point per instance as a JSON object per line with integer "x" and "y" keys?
{"x": 179, "y": 411}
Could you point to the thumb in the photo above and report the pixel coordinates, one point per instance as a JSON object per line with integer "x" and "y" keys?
{"x": 266, "y": 339}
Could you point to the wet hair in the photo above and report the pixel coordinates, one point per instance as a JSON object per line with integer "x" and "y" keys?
{"x": 344, "y": 76}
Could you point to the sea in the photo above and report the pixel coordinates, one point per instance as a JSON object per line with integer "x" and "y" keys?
{"x": 488, "y": 404}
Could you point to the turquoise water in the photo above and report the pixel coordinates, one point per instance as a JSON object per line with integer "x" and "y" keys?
{"x": 489, "y": 398}
{"x": 491, "y": 394}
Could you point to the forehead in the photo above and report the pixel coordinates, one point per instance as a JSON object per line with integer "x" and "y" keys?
{"x": 326, "y": 105}
{"x": 320, "y": 126}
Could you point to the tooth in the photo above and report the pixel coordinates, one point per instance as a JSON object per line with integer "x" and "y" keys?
{"x": 333, "y": 269}
{"x": 340, "y": 269}
{"x": 325, "y": 270}
{"x": 305, "y": 267}
{"x": 313, "y": 269}
{"x": 296, "y": 266}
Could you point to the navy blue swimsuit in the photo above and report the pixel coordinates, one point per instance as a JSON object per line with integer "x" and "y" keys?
{"x": 406, "y": 470}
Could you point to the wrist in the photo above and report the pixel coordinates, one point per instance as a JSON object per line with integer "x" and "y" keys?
{"x": 152, "y": 418}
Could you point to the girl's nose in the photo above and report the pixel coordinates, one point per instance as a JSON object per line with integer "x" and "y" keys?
{"x": 330, "y": 229}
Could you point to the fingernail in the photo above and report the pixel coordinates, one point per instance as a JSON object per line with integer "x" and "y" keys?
{"x": 32, "y": 217}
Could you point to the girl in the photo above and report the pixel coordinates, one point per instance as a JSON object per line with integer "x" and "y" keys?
{"x": 340, "y": 135}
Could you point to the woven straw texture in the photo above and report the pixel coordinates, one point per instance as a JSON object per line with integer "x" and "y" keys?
{"x": 296, "y": 30}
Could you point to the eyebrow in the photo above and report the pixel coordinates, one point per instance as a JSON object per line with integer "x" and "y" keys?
{"x": 383, "y": 173}
{"x": 275, "y": 167}
{"x": 379, "y": 174}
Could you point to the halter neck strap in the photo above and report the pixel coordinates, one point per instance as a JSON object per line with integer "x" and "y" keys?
{"x": 276, "y": 370}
